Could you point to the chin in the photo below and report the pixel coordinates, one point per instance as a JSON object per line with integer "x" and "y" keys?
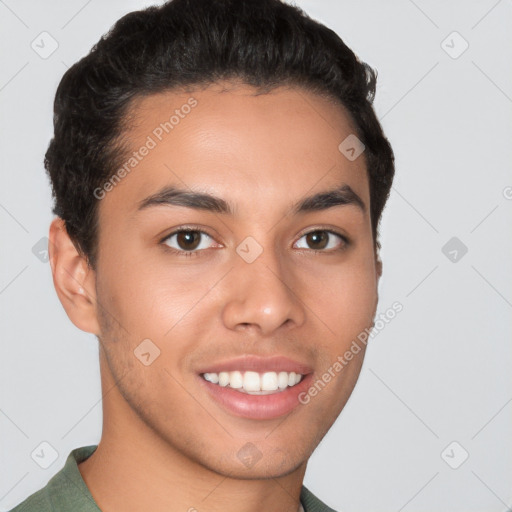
{"x": 251, "y": 463}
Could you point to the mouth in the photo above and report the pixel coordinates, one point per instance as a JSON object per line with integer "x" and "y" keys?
{"x": 257, "y": 388}
{"x": 254, "y": 383}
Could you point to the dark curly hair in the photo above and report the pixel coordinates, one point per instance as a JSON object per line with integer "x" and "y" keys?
{"x": 194, "y": 43}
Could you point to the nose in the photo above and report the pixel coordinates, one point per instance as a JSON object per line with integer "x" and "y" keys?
{"x": 262, "y": 296}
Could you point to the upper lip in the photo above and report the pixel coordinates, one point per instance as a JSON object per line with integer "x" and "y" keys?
{"x": 258, "y": 364}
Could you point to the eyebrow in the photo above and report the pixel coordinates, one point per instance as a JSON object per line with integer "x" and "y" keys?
{"x": 174, "y": 196}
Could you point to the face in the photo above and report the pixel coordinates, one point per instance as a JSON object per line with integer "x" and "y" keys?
{"x": 259, "y": 281}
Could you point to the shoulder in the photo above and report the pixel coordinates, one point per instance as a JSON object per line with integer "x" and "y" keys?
{"x": 65, "y": 490}
{"x": 39, "y": 501}
{"x": 311, "y": 503}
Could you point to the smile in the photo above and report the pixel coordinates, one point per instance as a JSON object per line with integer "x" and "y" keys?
{"x": 254, "y": 383}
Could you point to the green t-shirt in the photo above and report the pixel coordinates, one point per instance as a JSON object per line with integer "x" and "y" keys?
{"x": 66, "y": 491}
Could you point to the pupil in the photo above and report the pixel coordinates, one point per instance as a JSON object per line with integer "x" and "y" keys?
{"x": 317, "y": 236}
{"x": 186, "y": 237}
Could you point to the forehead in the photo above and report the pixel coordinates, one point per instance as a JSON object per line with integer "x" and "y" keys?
{"x": 226, "y": 140}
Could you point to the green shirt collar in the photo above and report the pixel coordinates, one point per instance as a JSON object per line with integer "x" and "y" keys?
{"x": 66, "y": 490}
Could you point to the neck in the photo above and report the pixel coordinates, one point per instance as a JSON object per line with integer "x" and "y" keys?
{"x": 135, "y": 469}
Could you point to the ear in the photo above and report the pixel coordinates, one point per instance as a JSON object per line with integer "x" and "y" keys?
{"x": 73, "y": 278}
{"x": 378, "y": 266}
{"x": 378, "y": 272}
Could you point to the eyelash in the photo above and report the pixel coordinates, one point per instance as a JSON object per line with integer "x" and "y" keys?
{"x": 195, "y": 253}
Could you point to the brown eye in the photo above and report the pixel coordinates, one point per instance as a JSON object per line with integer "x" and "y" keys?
{"x": 324, "y": 240}
{"x": 317, "y": 239}
{"x": 187, "y": 240}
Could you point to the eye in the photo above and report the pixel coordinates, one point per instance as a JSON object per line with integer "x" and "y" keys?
{"x": 187, "y": 241}
{"x": 322, "y": 239}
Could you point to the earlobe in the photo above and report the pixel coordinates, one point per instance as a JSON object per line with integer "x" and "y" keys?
{"x": 378, "y": 266}
{"x": 74, "y": 280}
{"x": 378, "y": 272}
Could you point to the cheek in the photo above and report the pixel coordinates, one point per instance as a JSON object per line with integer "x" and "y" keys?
{"x": 344, "y": 296}
{"x": 152, "y": 299}
{"x": 151, "y": 294}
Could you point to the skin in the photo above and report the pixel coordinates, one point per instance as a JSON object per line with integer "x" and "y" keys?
{"x": 166, "y": 446}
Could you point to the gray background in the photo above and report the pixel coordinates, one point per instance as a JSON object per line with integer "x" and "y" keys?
{"x": 438, "y": 373}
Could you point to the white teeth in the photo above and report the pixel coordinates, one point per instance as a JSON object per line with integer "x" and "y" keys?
{"x": 282, "y": 379}
{"x": 223, "y": 378}
{"x": 253, "y": 382}
{"x": 236, "y": 380}
{"x": 211, "y": 377}
{"x": 269, "y": 381}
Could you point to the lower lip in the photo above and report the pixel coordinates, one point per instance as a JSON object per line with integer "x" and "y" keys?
{"x": 258, "y": 407}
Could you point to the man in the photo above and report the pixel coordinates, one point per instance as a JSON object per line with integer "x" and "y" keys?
{"x": 219, "y": 176}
